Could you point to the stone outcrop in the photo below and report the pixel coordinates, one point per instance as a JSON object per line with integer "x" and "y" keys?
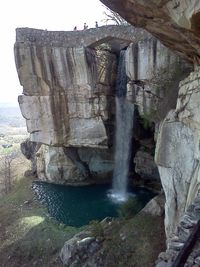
{"x": 29, "y": 150}
{"x": 80, "y": 250}
{"x": 155, "y": 206}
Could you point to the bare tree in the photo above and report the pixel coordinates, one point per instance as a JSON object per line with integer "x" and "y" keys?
{"x": 6, "y": 172}
{"x": 114, "y": 17}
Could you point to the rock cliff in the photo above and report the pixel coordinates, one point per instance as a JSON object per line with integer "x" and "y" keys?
{"x": 68, "y": 81}
{"x": 176, "y": 24}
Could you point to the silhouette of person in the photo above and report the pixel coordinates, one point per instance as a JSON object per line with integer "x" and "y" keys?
{"x": 96, "y": 24}
{"x": 75, "y": 28}
{"x": 85, "y": 26}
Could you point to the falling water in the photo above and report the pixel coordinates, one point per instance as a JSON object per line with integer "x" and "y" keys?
{"x": 124, "y": 126}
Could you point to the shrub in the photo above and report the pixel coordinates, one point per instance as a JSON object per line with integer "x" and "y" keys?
{"x": 129, "y": 208}
{"x": 97, "y": 229}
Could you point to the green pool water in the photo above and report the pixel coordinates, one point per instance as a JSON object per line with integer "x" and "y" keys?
{"x": 77, "y": 206}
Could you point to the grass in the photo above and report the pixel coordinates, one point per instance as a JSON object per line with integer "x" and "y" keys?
{"x": 131, "y": 242}
{"x": 28, "y": 237}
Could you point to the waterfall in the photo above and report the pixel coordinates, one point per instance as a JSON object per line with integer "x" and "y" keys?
{"x": 123, "y": 134}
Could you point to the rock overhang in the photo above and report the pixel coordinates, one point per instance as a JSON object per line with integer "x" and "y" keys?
{"x": 174, "y": 23}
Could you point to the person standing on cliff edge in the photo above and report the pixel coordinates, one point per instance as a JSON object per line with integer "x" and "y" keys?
{"x": 96, "y": 24}
{"x": 85, "y": 27}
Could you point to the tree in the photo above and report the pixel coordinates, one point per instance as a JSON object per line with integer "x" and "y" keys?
{"x": 6, "y": 173}
{"x": 112, "y": 16}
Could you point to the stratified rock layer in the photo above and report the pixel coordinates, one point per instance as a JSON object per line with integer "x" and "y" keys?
{"x": 65, "y": 100}
{"x": 68, "y": 94}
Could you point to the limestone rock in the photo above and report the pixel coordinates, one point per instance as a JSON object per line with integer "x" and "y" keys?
{"x": 55, "y": 165}
{"x": 68, "y": 81}
{"x": 59, "y": 102}
{"x": 154, "y": 74}
{"x": 79, "y": 250}
{"x": 100, "y": 162}
{"x": 146, "y": 57}
{"x": 177, "y": 152}
{"x": 68, "y": 89}
{"x": 155, "y": 206}
{"x": 29, "y": 150}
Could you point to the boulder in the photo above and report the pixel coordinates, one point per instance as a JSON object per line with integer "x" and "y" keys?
{"x": 79, "y": 250}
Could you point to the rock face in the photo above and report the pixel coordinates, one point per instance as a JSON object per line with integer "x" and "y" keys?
{"x": 154, "y": 76}
{"x": 177, "y": 151}
{"x": 29, "y": 150}
{"x": 176, "y": 24}
{"x": 60, "y": 103}
{"x": 68, "y": 81}
{"x": 145, "y": 165}
{"x": 84, "y": 165}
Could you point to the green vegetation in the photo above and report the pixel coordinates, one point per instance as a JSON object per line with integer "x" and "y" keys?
{"x": 130, "y": 208}
{"x": 97, "y": 229}
{"x": 147, "y": 119}
{"x": 131, "y": 242}
{"x": 28, "y": 236}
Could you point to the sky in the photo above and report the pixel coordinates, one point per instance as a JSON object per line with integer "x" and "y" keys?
{"x": 59, "y": 15}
